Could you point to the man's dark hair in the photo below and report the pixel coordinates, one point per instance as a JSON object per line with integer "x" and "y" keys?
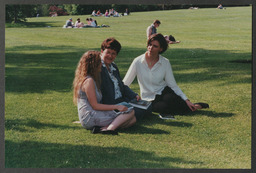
{"x": 157, "y": 21}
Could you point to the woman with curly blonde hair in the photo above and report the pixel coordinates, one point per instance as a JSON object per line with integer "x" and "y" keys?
{"x": 100, "y": 118}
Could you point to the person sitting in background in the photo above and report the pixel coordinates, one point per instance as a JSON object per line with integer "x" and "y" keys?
{"x": 157, "y": 83}
{"x": 116, "y": 14}
{"x": 106, "y": 13}
{"x": 152, "y": 28}
{"x": 98, "y": 13}
{"x": 220, "y": 7}
{"x": 93, "y": 22}
{"x": 100, "y": 118}
{"x": 69, "y": 23}
{"x": 78, "y": 23}
{"x": 93, "y": 13}
{"x": 127, "y": 11}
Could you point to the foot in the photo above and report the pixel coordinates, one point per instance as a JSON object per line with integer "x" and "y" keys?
{"x": 96, "y": 129}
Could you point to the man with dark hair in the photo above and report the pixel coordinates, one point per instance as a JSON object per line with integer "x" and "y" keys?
{"x": 152, "y": 28}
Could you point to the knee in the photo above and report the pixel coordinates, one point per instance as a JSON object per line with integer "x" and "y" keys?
{"x": 170, "y": 97}
{"x": 160, "y": 106}
{"x": 133, "y": 119}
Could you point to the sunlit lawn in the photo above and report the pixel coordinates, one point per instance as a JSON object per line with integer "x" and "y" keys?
{"x": 210, "y": 65}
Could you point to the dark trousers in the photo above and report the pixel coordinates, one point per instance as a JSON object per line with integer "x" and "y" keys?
{"x": 169, "y": 103}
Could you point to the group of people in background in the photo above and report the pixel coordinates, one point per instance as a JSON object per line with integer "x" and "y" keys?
{"x": 99, "y": 88}
{"x": 90, "y": 22}
{"x": 110, "y": 12}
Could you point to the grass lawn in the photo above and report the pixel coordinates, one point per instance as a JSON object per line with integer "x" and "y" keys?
{"x": 210, "y": 65}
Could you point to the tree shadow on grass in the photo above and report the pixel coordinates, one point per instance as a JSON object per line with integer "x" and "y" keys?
{"x": 153, "y": 119}
{"x": 143, "y": 126}
{"x": 36, "y": 72}
{"x": 31, "y": 154}
{"x": 25, "y": 125}
{"x": 30, "y": 73}
{"x": 213, "y": 114}
{"x": 31, "y": 24}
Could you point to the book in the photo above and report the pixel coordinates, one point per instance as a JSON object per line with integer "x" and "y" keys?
{"x": 143, "y": 104}
{"x": 130, "y": 108}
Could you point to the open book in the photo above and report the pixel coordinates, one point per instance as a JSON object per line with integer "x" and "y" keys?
{"x": 143, "y": 104}
{"x": 130, "y": 108}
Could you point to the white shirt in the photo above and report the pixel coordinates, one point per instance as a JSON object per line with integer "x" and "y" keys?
{"x": 152, "y": 81}
{"x": 93, "y": 23}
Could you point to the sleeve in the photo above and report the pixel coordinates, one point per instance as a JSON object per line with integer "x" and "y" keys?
{"x": 170, "y": 81}
{"x": 130, "y": 74}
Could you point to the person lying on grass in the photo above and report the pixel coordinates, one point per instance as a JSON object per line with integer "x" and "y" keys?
{"x": 100, "y": 118}
{"x": 170, "y": 39}
{"x": 156, "y": 80}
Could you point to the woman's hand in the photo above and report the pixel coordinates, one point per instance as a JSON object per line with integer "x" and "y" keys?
{"x": 138, "y": 97}
{"x": 191, "y": 106}
{"x": 121, "y": 108}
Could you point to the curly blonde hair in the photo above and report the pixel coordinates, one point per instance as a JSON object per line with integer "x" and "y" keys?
{"x": 88, "y": 65}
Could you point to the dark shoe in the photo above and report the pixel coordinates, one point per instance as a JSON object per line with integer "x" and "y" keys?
{"x": 109, "y": 132}
{"x": 96, "y": 129}
{"x": 203, "y": 105}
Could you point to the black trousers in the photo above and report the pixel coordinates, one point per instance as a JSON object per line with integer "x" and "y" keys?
{"x": 169, "y": 103}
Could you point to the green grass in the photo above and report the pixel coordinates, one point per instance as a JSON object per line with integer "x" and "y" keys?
{"x": 40, "y": 64}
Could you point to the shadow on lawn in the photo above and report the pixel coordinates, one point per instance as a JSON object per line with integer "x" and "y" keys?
{"x": 209, "y": 113}
{"x": 37, "y": 72}
{"x": 29, "y": 154}
{"x": 25, "y": 125}
{"x": 31, "y": 24}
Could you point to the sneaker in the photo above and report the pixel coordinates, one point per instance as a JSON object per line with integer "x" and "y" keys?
{"x": 166, "y": 117}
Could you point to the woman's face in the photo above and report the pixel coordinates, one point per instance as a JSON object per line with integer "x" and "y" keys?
{"x": 108, "y": 56}
{"x": 154, "y": 48}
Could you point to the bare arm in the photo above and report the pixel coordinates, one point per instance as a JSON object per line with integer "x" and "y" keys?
{"x": 89, "y": 89}
{"x": 149, "y": 31}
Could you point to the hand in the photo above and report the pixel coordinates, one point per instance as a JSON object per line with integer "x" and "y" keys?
{"x": 138, "y": 97}
{"x": 121, "y": 108}
{"x": 191, "y": 106}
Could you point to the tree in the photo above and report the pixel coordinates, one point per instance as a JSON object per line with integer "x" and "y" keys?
{"x": 19, "y": 13}
{"x": 56, "y": 11}
{"x": 71, "y": 8}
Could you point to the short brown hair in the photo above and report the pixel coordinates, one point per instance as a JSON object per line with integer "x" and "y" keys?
{"x": 111, "y": 43}
{"x": 160, "y": 38}
{"x": 157, "y": 21}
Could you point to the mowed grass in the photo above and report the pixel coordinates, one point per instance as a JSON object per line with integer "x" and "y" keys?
{"x": 209, "y": 66}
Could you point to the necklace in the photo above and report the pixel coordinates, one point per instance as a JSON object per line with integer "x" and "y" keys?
{"x": 152, "y": 62}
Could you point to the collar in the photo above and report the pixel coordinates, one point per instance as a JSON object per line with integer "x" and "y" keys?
{"x": 143, "y": 59}
{"x": 111, "y": 67}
